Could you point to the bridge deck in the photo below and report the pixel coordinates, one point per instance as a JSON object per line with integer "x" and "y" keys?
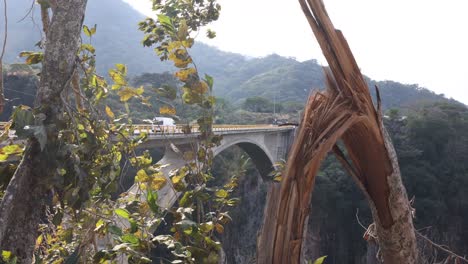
{"x": 184, "y": 131}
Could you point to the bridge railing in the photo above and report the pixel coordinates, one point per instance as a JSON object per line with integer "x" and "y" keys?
{"x": 187, "y": 129}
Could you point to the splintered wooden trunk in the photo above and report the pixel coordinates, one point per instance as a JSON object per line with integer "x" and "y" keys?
{"x": 345, "y": 112}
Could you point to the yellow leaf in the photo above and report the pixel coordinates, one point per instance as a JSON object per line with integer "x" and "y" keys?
{"x": 158, "y": 181}
{"x": 109, "y": 112}
{"x": 167, "y": 110}
{"x": 200, "y": 87}
{"x": 99, "y": 224}
{"x": 221, "y": 193}
{"x": 122, "y": 68}
{"x": 140, "y": 90}
{"x": 180, "y": 58}
{"x": 142, "y": 176}
{"x": 6, "y": 255}
{"x": 126, "y": 94}
{"x": 39, "y": 240}
{"x": 142, "y": 187}
{"x": 184, "y": 74}
{"x": 320, "y": 260}
{"x": 117, "y": 77}
{"x": 11, "y": 149}
{"x": 177, "y": 179}
{"x": 3, "y": 157}
{"x": 219, "y": 228}
{"x": 174, "y": 45}
{"x": 188, "y": 43}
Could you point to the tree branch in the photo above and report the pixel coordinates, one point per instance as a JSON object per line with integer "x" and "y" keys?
{"x": 2, "y": 95}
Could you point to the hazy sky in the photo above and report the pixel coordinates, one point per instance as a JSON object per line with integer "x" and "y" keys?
{"x": 410, "y": 41}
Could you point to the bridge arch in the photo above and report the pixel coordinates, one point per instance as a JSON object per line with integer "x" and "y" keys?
{"x": 258, "y": 153}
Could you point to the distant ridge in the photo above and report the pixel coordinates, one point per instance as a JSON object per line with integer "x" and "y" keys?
{"x": 236, "y": 77}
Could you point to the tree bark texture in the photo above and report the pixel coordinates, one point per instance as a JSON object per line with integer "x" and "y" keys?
{"x": 22, "y": 208}
{"x": 345, "y": 112}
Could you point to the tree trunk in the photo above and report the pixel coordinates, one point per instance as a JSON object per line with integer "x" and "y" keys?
{"x": 22, "y": 208}
{"x": 344, "y": 111}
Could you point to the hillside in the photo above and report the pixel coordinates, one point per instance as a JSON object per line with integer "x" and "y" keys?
{"x": 236, "y": 77}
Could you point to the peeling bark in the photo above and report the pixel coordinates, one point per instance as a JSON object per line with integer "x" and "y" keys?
{"x": 344, "y": 111}
{"x": 21, "y": 210}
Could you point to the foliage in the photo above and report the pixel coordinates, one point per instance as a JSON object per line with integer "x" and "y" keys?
{"x": 237, "y": 77}
{"x": 431, "y": 143}
{"x": 98, "y": 139}
{"x": 319, "y": 260}
{"x": 262, "y": 105}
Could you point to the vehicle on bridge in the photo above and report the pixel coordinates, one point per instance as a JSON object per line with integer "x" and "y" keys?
{"x": 159, "y": 124}
{"x": 283, "y": 122}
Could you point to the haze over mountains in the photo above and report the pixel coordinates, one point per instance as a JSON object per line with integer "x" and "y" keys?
{"x": 236, "y": 77}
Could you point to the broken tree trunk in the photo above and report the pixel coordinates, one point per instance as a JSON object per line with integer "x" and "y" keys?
{"x": 345, "y": 112}
{"x": 21, "y": 209}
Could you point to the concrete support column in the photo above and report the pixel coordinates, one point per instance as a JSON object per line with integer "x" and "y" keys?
{"x": 172, "y": 160}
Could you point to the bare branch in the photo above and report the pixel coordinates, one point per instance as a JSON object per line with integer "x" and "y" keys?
{"x": 29, "y": 11}
{"x": 2, "y": 95}
{"x": 442, "y": 247}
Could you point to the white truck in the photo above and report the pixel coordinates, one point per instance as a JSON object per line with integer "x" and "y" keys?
{"x": 163, "y": 121}
{"x": 160, "y": 124}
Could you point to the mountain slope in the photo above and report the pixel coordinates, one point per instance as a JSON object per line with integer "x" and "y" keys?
{"x": 236, "y": 77}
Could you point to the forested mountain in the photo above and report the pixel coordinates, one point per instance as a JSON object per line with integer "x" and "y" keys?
{"x": 81, "y": 156}
{"x": 236, "y": 77}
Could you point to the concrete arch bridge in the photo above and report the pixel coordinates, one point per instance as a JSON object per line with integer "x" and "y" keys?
{"x": 265, "y": 144}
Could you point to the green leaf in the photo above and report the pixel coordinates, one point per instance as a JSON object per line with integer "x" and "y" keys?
{"x": 166, "y": 22}
{"x": 209, "y": 80}
{"x": 122, "y": 213}
{"x": 210, "y": 34}
{"x": 206, "y": 227}
{"x": 133, "y": 226}
{"x": 167, "y": 91}
{"x": 130, "y": 238}
{"x": 320, "y": 260}
{"x": 152, "y": 198}
{"x": 164, "y": 19}
{"x": 115, "y": 230}
{"x": 73, "y": 258}
{"x": 22, "y": 117}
